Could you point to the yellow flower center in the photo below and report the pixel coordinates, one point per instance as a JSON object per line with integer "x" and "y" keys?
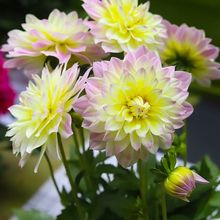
{"x": 184, "y": 56}
{"x": 139, "y": 107}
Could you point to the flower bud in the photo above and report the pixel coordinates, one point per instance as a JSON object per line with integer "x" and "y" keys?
{"x": 181, "y": 182}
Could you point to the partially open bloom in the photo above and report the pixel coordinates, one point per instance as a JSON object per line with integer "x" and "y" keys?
{"x": 133, "y": 106}
{"x": 7, "y": 94}
{"x": 181, "y": 182}
{"x": 188, "y": 49}
{"x": 63, "y": 36}
{"x": 122, "y": 25}
{"x": 43, "y": 111}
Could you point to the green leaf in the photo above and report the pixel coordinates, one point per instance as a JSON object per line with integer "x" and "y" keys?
{"x": 200, "y": 191}
{"x": 104, "y": 183}
{"x": 160, "y": 176}
{"x": 176, "y": 140}
{"x": 207, "y": 169}
{"x": 75, "y": 163}
{"x": 178, "y": 217}
{"x": 101, "y": 157}
{"x": 108, "y": 168}
{"x": 109, "y": 215}
{"x": 181, "y": 150}
{"x": 22, "y": 214}
{"x": 171, "y": 159}
{"x": 199, "y": 204}
{"x": 79, "y": 177}
{"x": 217, "y": 216}
{"x": 215, "y": 200}
{"x": 69, "y": 212}
{"x": 180, "y": 144}
{"x": 126, "y": 182}
{"x": 88, "y": 155}
{"x": 66, "y": 198}
{"x": 168, "y": 161}
{"x": 119, "y": 204}
{"x": 165, "y": 165}
{"x": 183, "y": 136}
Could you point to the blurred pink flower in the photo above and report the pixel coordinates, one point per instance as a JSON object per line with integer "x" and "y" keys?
{"x": 7, "y": 94}
{"x": 188, "y": 49}
{"x": 133, "y": 106}
{"x": 63, "y": 36}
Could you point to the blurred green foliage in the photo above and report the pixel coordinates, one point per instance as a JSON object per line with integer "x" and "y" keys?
{"x": 31, "y": 214}
{"x": 203, "y": 14}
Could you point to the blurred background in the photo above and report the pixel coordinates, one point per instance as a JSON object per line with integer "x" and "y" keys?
{"x": 17, "y": 185}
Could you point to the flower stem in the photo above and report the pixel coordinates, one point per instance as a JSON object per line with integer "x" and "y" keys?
{"x": 163, "y": 204}
{"x": 211, "y": 91}
{"x": 83, "y": 139}
{"x": 186, "y": 147}
{"x": 72, "y": 183}
{"x": 78, "y": 134}
{"x": 143, "y": 187}
{"x": 52, "y": 174}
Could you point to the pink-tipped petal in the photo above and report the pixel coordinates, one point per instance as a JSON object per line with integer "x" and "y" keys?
{"x": 199, "y": 179}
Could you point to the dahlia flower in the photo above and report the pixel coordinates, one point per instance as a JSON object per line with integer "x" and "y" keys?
{"x": 43, "y": 111}
{"x": 181, "y": 182}
{"x": 122, "y": 25}
{"x": 7, "y": 94}
{"x": 188, "y": 49}
{"x": 63, "y": 36}
{"x": 133, "y": 106}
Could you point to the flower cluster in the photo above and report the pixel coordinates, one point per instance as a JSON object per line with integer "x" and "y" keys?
{"x": 133, "y": 106}
{"x": 43, "y": 111}
{"x": 7, "y": 94}
{"x": 63, "y": 36}
{"x": 128, "y": 105}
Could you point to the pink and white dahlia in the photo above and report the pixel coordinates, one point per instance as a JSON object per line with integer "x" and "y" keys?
{"x": 63, "y": 36}
{"x": 123, "y": 25}
{"x": 133, "y": 106}
{"x": 188, "y": 49}
{"x": 43, "y": 111}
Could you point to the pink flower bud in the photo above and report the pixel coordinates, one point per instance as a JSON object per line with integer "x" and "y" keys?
{"x": 181, "y": 182}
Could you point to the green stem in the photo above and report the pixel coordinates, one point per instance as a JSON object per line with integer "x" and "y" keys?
{"x": 77, "y": 144}
{"x": 211, "y": 91}
{"x": 143, "y": 188}
{"x": 163, "y": 205}
{"x": 72, "y": 183}
{"x": 83, "y": 139}
{"x": 132, "y": 168}
{"x": 52, "y": 174}
{"x": 186, "y": 148}
{"x": 82, "y": 156}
